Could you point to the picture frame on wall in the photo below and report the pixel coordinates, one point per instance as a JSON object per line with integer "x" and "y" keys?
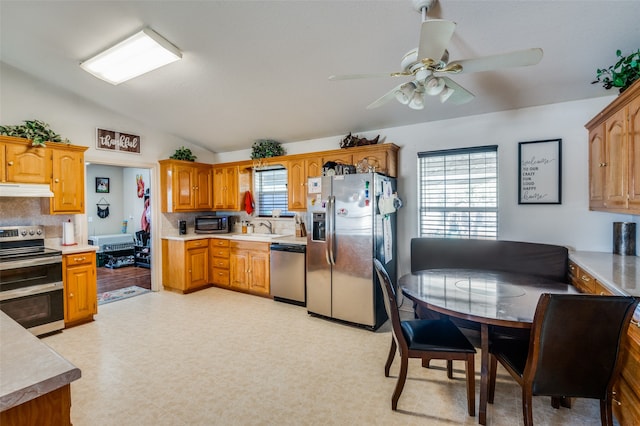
{"x": 102, "y": 185}
{"x": 540, "y": 172}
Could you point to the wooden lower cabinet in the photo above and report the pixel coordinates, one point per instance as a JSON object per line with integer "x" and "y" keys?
{"x": 626, "y": 405}
{"x": 186, "y": 264}
{"x": 249, "y": 267}
{"x": 80, "y": 287}
{"x": 53, "y": 408}
{"x": 219, "y": 266}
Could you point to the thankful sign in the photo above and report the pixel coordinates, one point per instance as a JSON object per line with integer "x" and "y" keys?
{"x": 115, "y": 141}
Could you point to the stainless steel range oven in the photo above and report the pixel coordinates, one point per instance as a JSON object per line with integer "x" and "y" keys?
{"x": 31, "y": 290}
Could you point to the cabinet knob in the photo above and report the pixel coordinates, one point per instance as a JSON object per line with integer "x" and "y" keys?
{"x": 10, "y": 163}
{"x": 70, "y": 294}
{"x": 56, "y": 180}
{"x": 636, "y": 323}
{"x": 585, "y": 278}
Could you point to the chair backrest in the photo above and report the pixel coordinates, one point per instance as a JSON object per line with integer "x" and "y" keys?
{"x": 575, "y": 344}
{"x": 390, "y": 302}
{"x": 547, "y": 260}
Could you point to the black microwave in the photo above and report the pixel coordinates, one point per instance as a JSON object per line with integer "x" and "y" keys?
{"x": 212, "y": 225}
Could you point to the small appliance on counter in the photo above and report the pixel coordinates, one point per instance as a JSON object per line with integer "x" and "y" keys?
{"x": 182, "y": 227}
{"x": 212, "y": 224}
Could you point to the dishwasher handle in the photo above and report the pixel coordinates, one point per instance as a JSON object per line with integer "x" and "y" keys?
{"x": 297, "y": 248}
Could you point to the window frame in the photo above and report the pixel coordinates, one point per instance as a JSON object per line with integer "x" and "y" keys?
{"x": 479, "y": 221}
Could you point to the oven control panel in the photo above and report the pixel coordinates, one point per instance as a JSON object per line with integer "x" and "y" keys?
{"x": 15, "y": 233}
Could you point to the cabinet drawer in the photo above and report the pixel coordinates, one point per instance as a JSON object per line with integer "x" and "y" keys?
{"x": 196, "y": 243}
{"x": 601, "y": 289}
{"x": 627, "y": 407}
{"x": 220, "y": 252}
{"x": 220, "y": 263}
{"x": 220, "y": 276}
{"x": 85, "y": 258}
{"x": 585, "y": 282}
{"x": 217, "y": 242}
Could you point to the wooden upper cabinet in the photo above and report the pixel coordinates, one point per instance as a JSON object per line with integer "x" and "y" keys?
{"x": 616, "y": 160}
{"x": 614, "y": 153}
{"x": 67, "y": 180}
{"x": 24, "y": 163}
{"x": 634, "y": 154}
{"x": 597, "y": 166}
{"x": 297, "y": 185}
{"x": 186, "y": 186}
{"x": 226, "y": 195}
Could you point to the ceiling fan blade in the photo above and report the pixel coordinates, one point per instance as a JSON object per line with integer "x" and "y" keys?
{"x": 460, "y": 95}
{"x": 356, "y": 76}
{"x": 384, "y": 98}
{"x": 520, "y": 58}
{"x": 435, "y": 35}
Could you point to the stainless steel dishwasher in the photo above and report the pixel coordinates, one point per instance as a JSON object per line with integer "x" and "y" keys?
{"x": 288, "y": 273}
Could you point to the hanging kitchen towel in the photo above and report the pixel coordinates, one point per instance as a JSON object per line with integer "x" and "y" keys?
{"x": 248, "y": 202}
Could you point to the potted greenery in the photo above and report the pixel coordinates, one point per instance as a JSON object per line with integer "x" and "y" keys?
{"x": 37, "y": 131}
{"x": 622, "y": 74}
{"x": 183, "y": 153}
{"x": 264, "y": 148}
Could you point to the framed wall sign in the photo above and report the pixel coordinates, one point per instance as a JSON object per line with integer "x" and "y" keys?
{"x": 112, "y": 140}
{"x": 102, "y": 185}
{"x": 540, "y": 172}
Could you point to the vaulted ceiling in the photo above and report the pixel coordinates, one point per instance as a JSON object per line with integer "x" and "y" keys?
{"x": 258, "y": 69}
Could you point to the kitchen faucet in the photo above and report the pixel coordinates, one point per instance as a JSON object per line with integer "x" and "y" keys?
{"x": 268, "y": 225}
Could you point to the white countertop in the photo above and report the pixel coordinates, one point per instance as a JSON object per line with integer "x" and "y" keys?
{"x": 78, "y": 248}
{"x": 28, "y": 367}
{"x": 621, "y": 274}
{"x": 285, "y": 239}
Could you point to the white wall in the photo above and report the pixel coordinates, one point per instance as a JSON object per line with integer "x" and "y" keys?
{"x": 570, "y": 223}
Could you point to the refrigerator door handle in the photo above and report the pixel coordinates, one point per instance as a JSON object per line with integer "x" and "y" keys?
{"x": 331, "y": 231}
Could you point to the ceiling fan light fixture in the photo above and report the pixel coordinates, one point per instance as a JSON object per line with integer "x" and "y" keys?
{"x": 417, "y": 100}
{"x": 142, "y": 52}
{"x": 405, "y": 93}
{"x": 434, "y": 86}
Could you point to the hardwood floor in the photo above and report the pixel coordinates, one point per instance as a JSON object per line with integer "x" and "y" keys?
{"x": 114, "y": 279}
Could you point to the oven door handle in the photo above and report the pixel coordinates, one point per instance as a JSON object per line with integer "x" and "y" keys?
{"x": 25, "y": 263}
{"x": 30, "y": 291}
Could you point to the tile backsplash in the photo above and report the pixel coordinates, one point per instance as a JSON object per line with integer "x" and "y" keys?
{"x": 16, "y": 211}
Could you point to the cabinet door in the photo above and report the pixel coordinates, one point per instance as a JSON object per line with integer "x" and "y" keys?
{"x": 183, "y": 188}
{"x": 259, "y": 272}
{"x": 597, "y": 169}
{"x": 67, "y": 182}
{"x": 239, "y": 269}
{"x": 616, "y": 161}
{"x": 26, "y": 164}
{"x": 203, "y": 191}
{"x": 634, "y": 156}
{"x": 197, "y": 267}
{"x": 314, "y": 167}
{"x": 225, "y": 188}
{"x": 80, "y": 287}
{"x": 377, "y": 160}
{"x": 297, "y": 185}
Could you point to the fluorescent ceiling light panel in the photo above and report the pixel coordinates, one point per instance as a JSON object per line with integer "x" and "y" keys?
{"x": 142, "y": 52}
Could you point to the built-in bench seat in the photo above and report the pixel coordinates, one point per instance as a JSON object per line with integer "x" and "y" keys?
{"x": 544, "y": 260}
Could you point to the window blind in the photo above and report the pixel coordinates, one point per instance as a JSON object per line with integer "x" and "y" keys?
{"x": 271, "y": 189}
{"x": 458, "y": 193}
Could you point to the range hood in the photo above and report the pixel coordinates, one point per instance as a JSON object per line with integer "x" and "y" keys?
{"x": 25, "y": 190}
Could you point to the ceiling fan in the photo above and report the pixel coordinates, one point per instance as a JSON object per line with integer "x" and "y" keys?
{"x": 430, "y": 60}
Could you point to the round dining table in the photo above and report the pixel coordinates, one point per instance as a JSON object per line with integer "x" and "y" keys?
{"x": 488, "y": 298}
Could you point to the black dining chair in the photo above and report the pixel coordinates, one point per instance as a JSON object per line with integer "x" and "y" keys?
{"x": 425, "y": 339}
{"x": 573, "y": 351}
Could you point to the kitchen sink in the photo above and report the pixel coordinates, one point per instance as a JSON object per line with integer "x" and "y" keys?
{"x": 258, "y": 237}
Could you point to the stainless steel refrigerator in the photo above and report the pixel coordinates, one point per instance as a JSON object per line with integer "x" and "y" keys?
{"x": 348, "y": 230}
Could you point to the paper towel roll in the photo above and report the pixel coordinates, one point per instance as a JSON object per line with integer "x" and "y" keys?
{"x": 68, "y": 234}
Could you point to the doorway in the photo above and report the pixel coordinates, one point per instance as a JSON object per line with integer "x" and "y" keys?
{"x": 120, "y": 213}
